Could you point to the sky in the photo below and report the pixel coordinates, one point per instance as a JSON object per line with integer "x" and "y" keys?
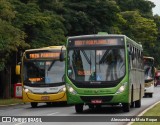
{"x": 156, "y": 9}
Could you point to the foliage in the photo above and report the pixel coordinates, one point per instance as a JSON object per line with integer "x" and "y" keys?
{"x": 139, "y": 28}
{"x": 90, "y": 17}
{"x": 143, "y": 6}
{"x": 37, "y": 23}
{"x": 42, "y": 28}
{"x": 11, "y": 38}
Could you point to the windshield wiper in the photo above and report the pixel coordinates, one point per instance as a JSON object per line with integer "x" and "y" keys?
{"x": 49, "y": 68}
{"x": 85, "y": 55}
{"x": 104, "y": 56}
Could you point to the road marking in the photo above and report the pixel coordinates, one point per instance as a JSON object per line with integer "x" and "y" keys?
{"x": 52, "y": 113}
{"x": 20, "y": 123}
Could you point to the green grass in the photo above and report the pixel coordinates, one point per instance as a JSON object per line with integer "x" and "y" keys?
{"x": 155, "y": 111}
{"x": 10, "y": 101}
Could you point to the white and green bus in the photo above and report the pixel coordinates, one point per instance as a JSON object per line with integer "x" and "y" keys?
{"x": 104, "y": 69}
{"x": 149, "y": 74}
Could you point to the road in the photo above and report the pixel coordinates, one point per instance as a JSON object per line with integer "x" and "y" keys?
{"x": 58, "y": 112}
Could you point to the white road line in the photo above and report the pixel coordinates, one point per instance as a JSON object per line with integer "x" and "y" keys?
{"x": 20, "y": 123}
{"x": 52, "y": 113}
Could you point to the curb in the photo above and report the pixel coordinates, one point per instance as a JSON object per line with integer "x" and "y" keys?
{"x": 130, "y": 123}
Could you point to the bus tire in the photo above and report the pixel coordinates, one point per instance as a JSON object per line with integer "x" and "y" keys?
{"x": 126, "y": 107}
{"x": 132, "y": 102}
{"x": 34, "y": 104}
{"x": 150, "y": 95}
{"x": 79, "y": 108}
{"x": 138, "y": 102}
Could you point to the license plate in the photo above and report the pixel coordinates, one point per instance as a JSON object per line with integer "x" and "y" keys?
{"x": 45, "y": 97}
{"x": 96, "y": 101}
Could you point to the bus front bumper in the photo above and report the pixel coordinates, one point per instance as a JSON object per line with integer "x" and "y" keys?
{"x": 103, "y": 99}
{"x": 31, "y": 97}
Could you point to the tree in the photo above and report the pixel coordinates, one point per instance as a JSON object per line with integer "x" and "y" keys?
{"x": 43, "y": 28}
{"x": 90, "y": 17}
{"x": 11, "y": 39}
{"x": 143, "y": 6}
{"x": 139, "y": 28}
{"x": 157, "y": 43}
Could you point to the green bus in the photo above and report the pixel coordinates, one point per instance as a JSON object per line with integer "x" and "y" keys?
{"x": 104, "y": 69}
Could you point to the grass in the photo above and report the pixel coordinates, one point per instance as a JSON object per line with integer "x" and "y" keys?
{"x": 155, "y": 111}
{"x": 10, "y": 101}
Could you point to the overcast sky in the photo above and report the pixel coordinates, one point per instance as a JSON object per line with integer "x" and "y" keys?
{"x": 156, "y": 9}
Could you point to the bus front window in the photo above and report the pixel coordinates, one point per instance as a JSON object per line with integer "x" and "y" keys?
{"x": 43, "y": 72}
{"x": 149, "y": 72}
{"x": 96, "y": 65}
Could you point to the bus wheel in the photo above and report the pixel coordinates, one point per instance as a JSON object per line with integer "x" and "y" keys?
{"x": 79, "y": 108}
{"x": 132, "y": 102}
{"x": 151, "y": 95}
{"x": 34, "y": 104}
{"x": 138, "y": 102}
{"x": 126, "y": 107}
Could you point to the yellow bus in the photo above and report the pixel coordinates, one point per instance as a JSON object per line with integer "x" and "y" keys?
{"x": 42, "y": 75}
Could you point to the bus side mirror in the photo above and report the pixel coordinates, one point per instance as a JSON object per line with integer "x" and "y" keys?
{"x": 61, "y": 56}
{"x": 18, "y": 68}
{"x": 129, "y": 50}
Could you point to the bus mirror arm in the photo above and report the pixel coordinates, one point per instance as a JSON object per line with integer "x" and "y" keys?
{"x": 61, "y": 56}
{"x": 131, "y": 54}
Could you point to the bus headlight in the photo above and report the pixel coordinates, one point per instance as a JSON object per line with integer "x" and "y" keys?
{"x": 70, "y": 89}
{"x": 122, "y": 88}
{"x": 27, "y": 90}
{"x": 62, "y": 89}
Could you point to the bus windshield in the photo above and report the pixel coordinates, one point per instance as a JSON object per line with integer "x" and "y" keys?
{"x": 149, "y": 72}
{"x": 149, "y": 68}
{"x": 43, "y": 72}
{"x": 95, "y": 64}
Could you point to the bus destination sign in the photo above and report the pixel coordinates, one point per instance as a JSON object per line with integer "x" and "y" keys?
{"x": 43, "y": 55}
{"x": 97, "y": 42}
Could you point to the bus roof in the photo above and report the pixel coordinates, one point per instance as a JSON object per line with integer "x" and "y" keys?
{"x": 109, "y": 35}
{"x": 96, "y": 35}
{"x": 47, "y": 48}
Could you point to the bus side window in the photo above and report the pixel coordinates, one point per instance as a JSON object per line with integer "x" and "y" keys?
{"x": 136, "y": 58}
{"x": 131, "y": 57}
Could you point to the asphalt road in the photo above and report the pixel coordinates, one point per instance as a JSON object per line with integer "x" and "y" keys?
{"x": 64, "y": 114}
